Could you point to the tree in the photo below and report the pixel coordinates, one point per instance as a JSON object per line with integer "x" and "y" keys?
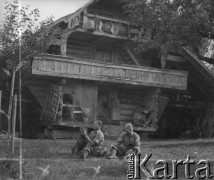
{"x": 171, "y": 24}
{"x": 23, "y": 38}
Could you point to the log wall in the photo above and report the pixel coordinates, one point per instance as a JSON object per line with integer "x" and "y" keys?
{"x": 86, "y": 97}
{"x": 97, "y": 51}
{"x": 131, "y": 100}
{"x": 120, "y": 104}
{"x": 79, "y": 49}
{"x": 84, "y": 94}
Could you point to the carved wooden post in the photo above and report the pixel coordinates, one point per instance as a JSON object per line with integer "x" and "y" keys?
{"x": 85, "y": 19}
{"x": 96, "y": 23}
{"x": 163, "y": 62}
{"x": 64, "y": 46}
{"x": 164, "y": 55}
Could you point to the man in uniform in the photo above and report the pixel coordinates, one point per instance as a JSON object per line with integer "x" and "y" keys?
{"x": 127, "y": 143}
{"x": 80, "y": 143}
{"x": 95, "y": 139}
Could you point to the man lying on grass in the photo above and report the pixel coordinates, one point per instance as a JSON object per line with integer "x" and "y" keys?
{"x": 127, "y": 143}
{"x": 92, "y": 144}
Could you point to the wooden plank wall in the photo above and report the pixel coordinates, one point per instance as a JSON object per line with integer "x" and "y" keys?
{"x": 86, "y": 96}
{"x": 122, "y": 103}
{"x": 84, "y": 93}
{"x": 121, "y": 106}
{"x": 79, "y": 49}
{"x": 104, "y": 52}
{"x": 79, "y": 69}
{"x": 103, "y": 111}
{"x": 131, "y": 100}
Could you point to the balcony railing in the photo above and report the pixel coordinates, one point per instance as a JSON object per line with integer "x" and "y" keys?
{"x": 101, "y": 25}
{"x": 68, "y": 67}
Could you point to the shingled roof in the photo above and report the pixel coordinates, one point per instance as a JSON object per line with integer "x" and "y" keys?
{"x": 202, "y": 74}
{"x": 67, "y": 17}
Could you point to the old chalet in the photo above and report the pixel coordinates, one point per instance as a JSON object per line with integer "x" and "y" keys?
{"x": 93, "y": 70}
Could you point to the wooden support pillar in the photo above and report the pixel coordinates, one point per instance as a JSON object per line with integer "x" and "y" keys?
{"x": 163, "y": 62}
{"x": 14, "y": 123}
{"x": 64, "y": 46}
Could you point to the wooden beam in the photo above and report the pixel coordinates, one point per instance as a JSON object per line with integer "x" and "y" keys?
{"x": 199, "y": 66}
{"x": 195, "y": 83}
{"x": 131, "y": 55}
{"x": 175, "y": 58}
{"x": 186, "y": 106}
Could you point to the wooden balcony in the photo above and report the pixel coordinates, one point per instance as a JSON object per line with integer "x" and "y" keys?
{"x": 105, "y": 26}
{"x": 68, "y": 67}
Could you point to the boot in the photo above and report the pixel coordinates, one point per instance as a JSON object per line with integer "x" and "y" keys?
{"x": 113, "y": 154}
{"x": 84, "y": 155}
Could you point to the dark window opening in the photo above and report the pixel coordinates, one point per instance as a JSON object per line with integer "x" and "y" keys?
{"x": 54, "y": 49}
{"x": 105, "y": 101}
{"x": 66, "y": 113}
{"x": 67, "y": 99}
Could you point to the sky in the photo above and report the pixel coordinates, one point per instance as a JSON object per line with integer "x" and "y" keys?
{"x": 57, "y": 8}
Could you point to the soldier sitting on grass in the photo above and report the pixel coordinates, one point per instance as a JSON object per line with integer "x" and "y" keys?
{"x": 92, "y": 144}
{"x": 80, "y": 144}
{"x": 127, "y": 143}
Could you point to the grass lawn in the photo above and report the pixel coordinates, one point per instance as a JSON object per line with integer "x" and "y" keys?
{"x": 55, "y": 154}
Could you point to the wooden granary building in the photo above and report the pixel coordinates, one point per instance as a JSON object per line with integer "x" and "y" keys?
{"x": 94, "y": 69}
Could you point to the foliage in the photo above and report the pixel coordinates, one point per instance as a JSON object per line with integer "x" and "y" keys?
{"x": 23, "y": 37}
{"x": 169, "y": 24}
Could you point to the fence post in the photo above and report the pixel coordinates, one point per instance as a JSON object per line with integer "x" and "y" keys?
{"x": 10, "y": 104}
{"x": 14, "y": 122}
